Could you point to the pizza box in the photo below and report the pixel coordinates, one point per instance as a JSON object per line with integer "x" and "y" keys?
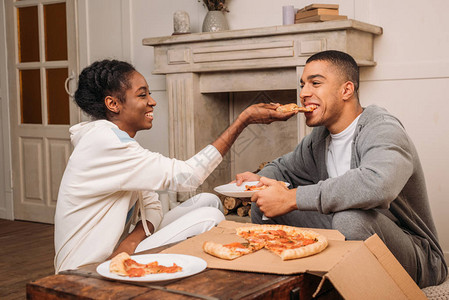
{"x": 356, "y": 269}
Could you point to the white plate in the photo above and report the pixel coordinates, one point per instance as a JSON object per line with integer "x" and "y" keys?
{"x": 232, "y": 190}
{"x": 190, "y": 266}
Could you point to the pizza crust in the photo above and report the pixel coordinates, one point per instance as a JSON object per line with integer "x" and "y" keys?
{"x": 288, "y": 107}
{"x": 221, "y": 251}
{"x": 320, "y": 244}
{"x": 117, "y": 265}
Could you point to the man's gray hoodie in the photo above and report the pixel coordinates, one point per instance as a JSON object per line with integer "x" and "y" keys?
{"x": 385, "y": 174}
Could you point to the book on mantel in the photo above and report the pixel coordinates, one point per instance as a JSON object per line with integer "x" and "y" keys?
{"x": 318, "y": 13}
{"x": 316, "y": 5}
{"x": 321, "y": 18}
{"x": 315, "y": 12}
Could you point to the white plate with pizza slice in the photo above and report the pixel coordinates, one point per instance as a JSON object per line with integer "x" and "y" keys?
{"x": 190, "y": 265}
{"x": 245, "y": 190}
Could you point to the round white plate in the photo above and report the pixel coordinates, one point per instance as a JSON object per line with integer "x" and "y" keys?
{"x": 232, "y": 190}
{"x": 190, "y": 265}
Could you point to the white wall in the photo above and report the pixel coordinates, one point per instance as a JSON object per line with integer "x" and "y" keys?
{"x": 410, "y": 78}
{"x": 411, "y": 75}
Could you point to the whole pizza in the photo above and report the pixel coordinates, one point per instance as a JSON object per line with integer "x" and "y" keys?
{"x": 286, "y": 241}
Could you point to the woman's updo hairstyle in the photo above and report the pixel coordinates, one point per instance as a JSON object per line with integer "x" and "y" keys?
{"x": 101, "y": 79}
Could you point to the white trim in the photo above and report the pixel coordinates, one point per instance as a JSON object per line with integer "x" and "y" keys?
{"x": 83, "y": 34}
{"x": 43, "y": 64}
{"x": 74, "y": 67}
{"x": 24, "y": 3}
{"x": 6, "y": 212}
{"x": 406, "y": 71}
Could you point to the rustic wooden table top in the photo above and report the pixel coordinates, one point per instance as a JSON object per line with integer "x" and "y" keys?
{"x": 86, "y": 283}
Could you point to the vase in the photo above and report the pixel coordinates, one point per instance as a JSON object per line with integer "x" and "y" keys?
{"x": 181, "y": 22}
{"x": 215, "y": 21}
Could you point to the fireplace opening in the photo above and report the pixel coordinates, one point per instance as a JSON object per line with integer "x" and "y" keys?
{"x": 258, "y": 143}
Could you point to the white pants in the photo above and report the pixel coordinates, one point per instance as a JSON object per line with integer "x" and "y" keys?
{"x": 192, "y": 217}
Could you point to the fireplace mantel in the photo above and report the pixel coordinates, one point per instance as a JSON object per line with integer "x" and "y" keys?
{"x": 266, "y": 47}
{"x": 203, "y": 68}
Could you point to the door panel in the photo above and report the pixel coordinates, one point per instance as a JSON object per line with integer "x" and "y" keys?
{"x": 28, "y": 33}
{"x": 30, "y": 96}
{"x": 42, "y": 49}
{"x": 32, "y": 171}
{"x": 55, "y": 32}
{"x": 57, "y": 98}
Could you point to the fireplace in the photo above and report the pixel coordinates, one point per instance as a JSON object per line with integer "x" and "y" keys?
{"x": 212, "y": 77}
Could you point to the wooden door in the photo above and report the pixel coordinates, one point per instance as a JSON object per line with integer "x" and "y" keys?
{"x": 42, "y": 60}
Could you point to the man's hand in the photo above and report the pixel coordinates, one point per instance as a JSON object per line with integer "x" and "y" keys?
{"x": 276, "y": 199}
{"x": 246, "y": 176}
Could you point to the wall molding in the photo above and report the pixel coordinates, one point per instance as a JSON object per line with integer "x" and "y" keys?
{"x": 406, "y": 71}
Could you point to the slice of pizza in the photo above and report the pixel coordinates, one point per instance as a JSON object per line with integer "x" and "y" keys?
{"x": 286, "y": 241}
{"x": 249, "y": 188}
{"x": 122, "y": 264}
{"x": 297, "y": 243}
{"x": 117, "y": 265}
{"x": 232, "y": 250}
{"x": 155, "y": 268}
{"x": 308, "y": 108}
{"x": 294, "y": 107}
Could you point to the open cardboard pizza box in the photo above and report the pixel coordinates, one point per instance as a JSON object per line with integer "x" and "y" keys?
{"x": 356, "y": 269}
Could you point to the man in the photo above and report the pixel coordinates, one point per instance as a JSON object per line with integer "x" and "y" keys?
{"x": 357, "y": 172}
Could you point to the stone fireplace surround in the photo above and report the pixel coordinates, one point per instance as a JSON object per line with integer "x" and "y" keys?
{"x": 212, "y": 77}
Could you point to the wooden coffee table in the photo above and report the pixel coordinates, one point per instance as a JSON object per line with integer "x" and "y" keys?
{"x": 86, "y": 283}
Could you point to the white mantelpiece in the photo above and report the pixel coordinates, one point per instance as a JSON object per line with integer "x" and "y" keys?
{"x": 204, "y": 70}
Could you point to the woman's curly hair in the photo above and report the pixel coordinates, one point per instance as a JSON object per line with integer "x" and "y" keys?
{"x": 100, "y": 79}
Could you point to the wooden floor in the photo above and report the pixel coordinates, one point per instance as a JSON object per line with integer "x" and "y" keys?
{"x": 26, "y": 254}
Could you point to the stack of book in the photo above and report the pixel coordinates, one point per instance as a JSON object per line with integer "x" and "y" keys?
{"x": 318, "y": 13}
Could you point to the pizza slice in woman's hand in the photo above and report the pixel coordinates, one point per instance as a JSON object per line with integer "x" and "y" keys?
{"x": 294, "y": 107}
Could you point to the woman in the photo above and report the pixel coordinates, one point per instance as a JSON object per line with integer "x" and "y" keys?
{"x": 110, "y": 180}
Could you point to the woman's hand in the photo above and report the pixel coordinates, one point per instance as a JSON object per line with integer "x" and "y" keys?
{"x": 264, "y": 113}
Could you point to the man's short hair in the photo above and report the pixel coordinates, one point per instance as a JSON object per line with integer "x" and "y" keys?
{"x": 343, "y": 61}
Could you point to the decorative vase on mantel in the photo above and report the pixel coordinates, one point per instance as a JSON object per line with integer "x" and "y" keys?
{"x": 214, "y": 21}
